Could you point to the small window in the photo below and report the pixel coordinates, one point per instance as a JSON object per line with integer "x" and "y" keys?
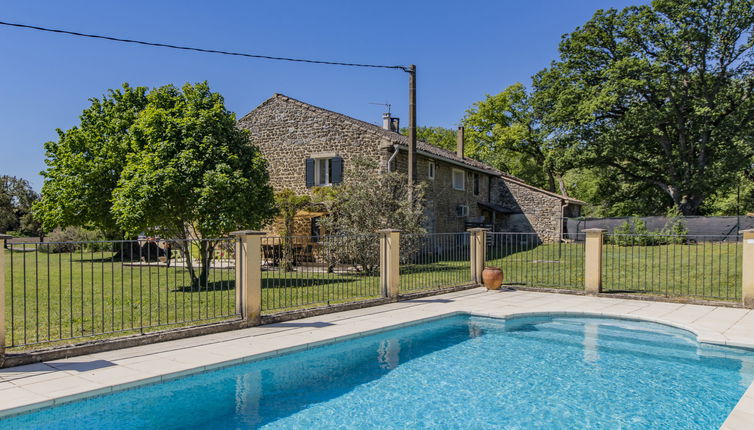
{"x": 431, "y": 170}
{"x": 462, "y": 210}
{"x": 459, "y": 180}
{"x": 476, "y": 184}
{"x": 322, "y": 171}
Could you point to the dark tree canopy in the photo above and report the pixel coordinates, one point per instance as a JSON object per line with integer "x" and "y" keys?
{"x": 661, "y": 94}
{"x": 16, "y": 199}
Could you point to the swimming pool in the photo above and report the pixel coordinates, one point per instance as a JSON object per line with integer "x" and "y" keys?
{"x": 457, "y": 372}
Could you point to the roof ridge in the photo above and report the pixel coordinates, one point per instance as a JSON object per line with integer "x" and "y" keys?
{"x": 395, "y": 137}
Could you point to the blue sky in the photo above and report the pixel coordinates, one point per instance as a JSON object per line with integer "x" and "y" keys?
{"x": 463, "y": 50}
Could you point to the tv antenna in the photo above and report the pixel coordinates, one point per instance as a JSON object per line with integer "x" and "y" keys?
{"x": 387, "y": 105}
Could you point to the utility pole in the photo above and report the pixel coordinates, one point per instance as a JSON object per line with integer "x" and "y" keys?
{"x": 411, "y": 129}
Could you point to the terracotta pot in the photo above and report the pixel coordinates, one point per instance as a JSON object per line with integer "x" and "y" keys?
{"x": 492, "y": 278}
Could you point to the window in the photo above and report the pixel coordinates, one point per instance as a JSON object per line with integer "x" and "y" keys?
{"x": 476, "y": 184}
{"x": 431, "y": 170}
{"x": 322, "y": 171}
{"x": 459, "y": 180}
{"x": 462, "y": 210}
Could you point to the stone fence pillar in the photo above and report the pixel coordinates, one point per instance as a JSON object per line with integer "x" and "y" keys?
{"x": 249, "y": 275}
{"x": 747, "y": 269}
{"x": 3, "y": 238}
{"x": 593, "y": 260}
{"x": 390, "y": 263}
{"x": 477, "y": 252}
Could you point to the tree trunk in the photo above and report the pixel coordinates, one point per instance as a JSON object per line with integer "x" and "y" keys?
{"x": 687, "y": 203}
{"x": 551, "y": 181}
{"x": 561, "y": 185}
{"x": 206, "y": 249}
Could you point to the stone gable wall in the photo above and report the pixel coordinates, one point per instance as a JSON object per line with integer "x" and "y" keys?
{"x": 288, "y": 134}
{"x": 541, "y": 212}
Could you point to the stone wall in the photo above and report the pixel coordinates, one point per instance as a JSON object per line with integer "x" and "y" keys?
{"x": 289, "y": 132}
{"x": 539, "y": 211}
{"x": 442, "y": 199}
{"x": 302, "y": 225}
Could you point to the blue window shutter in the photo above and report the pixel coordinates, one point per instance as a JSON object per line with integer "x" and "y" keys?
{"x": 337, "y": 170}
{"x": 309, "y": 172}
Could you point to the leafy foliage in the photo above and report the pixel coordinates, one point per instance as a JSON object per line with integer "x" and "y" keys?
{"x": 288, "y": 204}
{"x": 85, "y": 164}
{"x": 169, "y": 162}
{"x": 195, "y": 174}
{"x": 366, "y": 202}
{"x": 65, "y": 240}
{"x": 660, "y": 94}
{"x": 636, "y": 233}
{"x": 438, "y": 136}
{"x": 16, "y": 200}
{"x": 505, "y": 131}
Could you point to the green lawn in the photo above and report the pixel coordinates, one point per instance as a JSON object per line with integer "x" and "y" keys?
{"x": 85, "y": 294}
{"x": 53, "y": 297}
{"x": 438, "y": 274}
{"x": 710, "y": 270}
{"x": 309, "y": 287}
{"x": 557, "y": 265}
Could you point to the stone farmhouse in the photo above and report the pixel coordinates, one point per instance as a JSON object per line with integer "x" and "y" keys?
{"x": 307, "y": 146}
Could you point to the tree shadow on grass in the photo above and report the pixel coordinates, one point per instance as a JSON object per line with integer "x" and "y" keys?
{"x": 424, "y": 268}
{"x": 282, "y": 282}
{"x": 210, "y": 286}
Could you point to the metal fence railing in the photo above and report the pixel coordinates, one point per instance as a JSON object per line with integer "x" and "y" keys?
{"x": 306, "y": 271}
{"x": 526, "y": 260}
{"x": 673, "y": 266}
{"x": 434, "y": 260}
{"x": 59, "y": 291}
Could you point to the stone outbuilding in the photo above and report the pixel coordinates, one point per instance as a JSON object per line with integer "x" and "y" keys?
{"x": 307, "y": 146}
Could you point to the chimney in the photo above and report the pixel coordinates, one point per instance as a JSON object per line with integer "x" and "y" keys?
{"x": 390, "y": 123}
{"x": 395, "y": 125}
{"x": 386, "y": 121}
{"x": 459, "y": 142}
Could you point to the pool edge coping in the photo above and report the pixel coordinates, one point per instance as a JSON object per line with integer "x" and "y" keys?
{"x": 115, "y": 388}
{"x": 702, "y": 337}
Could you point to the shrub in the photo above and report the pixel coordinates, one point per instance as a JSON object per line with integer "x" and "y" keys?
{"x": 366, "y": 202}
{"x": 635, "y": 232}
{"x": 72, "y": 239}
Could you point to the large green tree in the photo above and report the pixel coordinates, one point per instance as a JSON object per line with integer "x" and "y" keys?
{"x": 86, "y": 162}
{"x": 661, "y": 94}
{"x": 168, "y": 162}
{"x": 16, "y": 199}
{"x": 192, "y": 174}
{"x": 438, "y": 136}
{"x": 505, "y": 131}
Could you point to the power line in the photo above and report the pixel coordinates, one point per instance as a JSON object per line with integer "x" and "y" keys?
{"x": 210, "y": 51}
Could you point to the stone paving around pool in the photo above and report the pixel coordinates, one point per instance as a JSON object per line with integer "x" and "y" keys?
{"x": 44, "y": 384}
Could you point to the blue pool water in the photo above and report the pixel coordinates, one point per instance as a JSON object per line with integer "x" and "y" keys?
{"x": 456, "y": 372}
